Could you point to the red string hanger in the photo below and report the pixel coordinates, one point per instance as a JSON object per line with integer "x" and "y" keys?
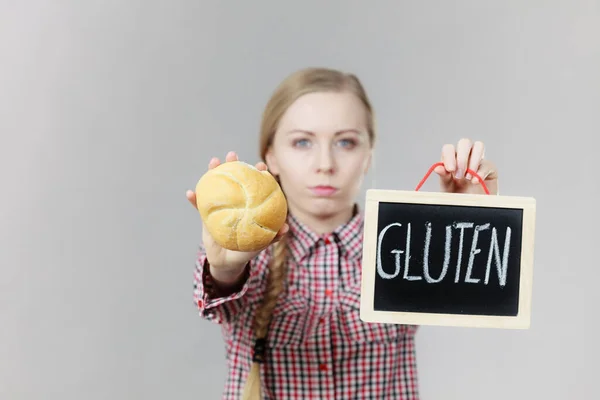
{"x": 434, "y": 166}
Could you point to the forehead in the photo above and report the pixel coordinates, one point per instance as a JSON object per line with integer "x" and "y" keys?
{"x": 325, "y": 112}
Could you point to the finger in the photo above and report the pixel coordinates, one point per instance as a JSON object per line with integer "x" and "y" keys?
{"x": 445, "y": 176}
{"x": 463, "y": 150}
{"x": 191, "y": 196}
{"x": 284, "y": 229}
{"x": 449, "y": 157}
{"x": 486, "y": 171}
{"x": 475, "y": 158}
{"x": 231, "y": 156}
{"x": 261, "y": 166}
{"x": 213, "y": 163}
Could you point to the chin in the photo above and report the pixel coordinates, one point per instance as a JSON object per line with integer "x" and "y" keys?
{"x": 326, "y": 207}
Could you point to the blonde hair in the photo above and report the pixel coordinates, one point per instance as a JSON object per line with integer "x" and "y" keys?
{"x": 299, "y": 83}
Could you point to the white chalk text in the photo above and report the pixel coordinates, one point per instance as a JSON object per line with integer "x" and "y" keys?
{"x": 402, "y": 255}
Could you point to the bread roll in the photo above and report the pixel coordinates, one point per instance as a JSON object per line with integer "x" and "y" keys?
{"x": 242, "y": 207}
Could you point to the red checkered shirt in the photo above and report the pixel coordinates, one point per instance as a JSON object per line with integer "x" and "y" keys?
{"x": 317, "y": 345}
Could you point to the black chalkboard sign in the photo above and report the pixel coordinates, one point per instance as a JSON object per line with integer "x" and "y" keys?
{"x": 447, "y": 259}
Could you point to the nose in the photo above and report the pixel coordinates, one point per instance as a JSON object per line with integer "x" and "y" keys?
{"x": 325, "y": 162}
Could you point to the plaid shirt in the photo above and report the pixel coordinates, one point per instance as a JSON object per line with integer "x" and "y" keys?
{"x": 317, "y": 345}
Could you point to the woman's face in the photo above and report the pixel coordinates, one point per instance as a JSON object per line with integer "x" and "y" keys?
{"x": 320, "y": 152}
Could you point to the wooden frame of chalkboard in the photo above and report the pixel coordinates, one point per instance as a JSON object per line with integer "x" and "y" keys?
{"x": 469, "y": 259}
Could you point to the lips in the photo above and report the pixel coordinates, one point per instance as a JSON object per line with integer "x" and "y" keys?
{"x": 323, "y": 190}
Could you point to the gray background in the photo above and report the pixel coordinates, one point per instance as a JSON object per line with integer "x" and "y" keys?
{"x": 110, "y": 110}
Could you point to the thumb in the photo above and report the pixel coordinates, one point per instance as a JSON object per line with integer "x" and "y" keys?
{"x": 191, "y": 196}
{"x": 284, "y": 229}
{"x": 444, "y": 174}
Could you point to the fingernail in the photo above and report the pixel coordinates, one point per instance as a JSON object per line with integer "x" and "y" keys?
{"x": 469, "y": 176}
{"x": 459, "y": 174}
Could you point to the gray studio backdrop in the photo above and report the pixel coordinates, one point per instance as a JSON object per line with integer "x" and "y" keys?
{"x": 110, "y": 110}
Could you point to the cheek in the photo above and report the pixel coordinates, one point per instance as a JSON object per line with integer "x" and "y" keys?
{"x": 293, "y": 171}
{"x": 292, "y": 181}
{"x": 354, "y": 163}
{"x": 290, "y": 160}
{"x": 292, "y": 167}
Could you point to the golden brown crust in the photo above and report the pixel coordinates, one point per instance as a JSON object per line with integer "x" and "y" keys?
{"x": 242, "y": 207}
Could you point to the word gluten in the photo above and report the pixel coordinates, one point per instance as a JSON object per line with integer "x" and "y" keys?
{"x": 491, "y": 248}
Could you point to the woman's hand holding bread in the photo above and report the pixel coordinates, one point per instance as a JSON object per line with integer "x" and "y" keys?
{"x": 243, "y": 211}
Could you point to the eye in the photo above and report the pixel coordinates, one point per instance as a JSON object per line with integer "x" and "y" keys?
{"x": 347, "y": 143}
{"x": 301, "y": 143}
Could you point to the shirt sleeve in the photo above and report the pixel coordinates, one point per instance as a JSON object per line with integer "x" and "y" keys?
{"x": 214, "y": 307}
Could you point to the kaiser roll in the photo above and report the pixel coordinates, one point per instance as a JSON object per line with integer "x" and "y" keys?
{"x": 242, "y": 207}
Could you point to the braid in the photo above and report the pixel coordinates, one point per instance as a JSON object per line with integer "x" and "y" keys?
{"x": 262, "y": 318}
{"x": 275, "y": 281}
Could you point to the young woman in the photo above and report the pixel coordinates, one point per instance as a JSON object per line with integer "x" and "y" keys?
{"x": 290, "y": 312}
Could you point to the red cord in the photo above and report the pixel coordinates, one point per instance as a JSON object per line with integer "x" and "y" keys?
{"x": 485, "y": 189}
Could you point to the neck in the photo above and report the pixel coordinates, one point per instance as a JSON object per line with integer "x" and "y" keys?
{"x": 322, "y": 224}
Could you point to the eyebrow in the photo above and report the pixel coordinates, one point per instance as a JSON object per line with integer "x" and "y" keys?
{"x": 340, "y": 132}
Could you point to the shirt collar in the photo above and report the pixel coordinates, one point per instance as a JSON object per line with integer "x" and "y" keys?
{"x": 348, "y": 236}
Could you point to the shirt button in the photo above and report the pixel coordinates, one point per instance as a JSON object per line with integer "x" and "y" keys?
{"x": 321, "y": 320}
{"x": 200, "y": 304}
{"x": 327, "y": 241}
{"x": 328, "y": 292}
{"x": 323, "y": 367}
